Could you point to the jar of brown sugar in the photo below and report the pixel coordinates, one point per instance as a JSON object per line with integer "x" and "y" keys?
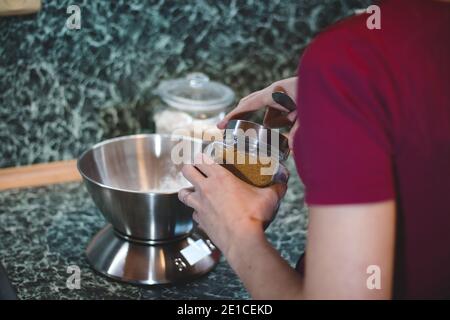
{"x": 253, "y": 153}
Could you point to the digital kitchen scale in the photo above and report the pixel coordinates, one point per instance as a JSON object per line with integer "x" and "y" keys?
{"x": 149, "y": 263}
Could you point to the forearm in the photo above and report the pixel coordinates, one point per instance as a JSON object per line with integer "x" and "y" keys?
{"x": 265, "y": 274}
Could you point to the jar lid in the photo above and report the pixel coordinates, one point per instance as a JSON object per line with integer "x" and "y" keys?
{"x": 195, "y": 93}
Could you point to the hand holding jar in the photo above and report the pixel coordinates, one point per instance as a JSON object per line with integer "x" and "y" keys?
{"x": 265, "y": 99}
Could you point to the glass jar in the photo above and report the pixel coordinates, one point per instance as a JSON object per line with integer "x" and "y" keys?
{"x": 251, "y": 152}
{"x": 194, "y": 104}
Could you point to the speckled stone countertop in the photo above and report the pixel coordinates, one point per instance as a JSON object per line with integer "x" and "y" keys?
{"x": 44, "y": 230}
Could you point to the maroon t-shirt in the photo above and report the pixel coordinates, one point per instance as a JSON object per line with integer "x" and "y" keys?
{"x": 374, "y": 110}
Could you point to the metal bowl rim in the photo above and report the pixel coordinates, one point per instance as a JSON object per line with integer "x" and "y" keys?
{"x": 133, "y": 136}
{"x": 284, "y": 141}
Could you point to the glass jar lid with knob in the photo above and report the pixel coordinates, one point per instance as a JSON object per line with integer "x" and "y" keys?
{"x": 196, "y": 95}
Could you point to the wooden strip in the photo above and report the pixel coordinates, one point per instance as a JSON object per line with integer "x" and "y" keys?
{"x": 19, "y": 7}
{"x": 39, "y": 174}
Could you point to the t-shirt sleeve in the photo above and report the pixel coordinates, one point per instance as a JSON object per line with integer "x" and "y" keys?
{"x": 342, "y": 147}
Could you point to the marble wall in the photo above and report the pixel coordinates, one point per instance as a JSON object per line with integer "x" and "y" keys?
{"x": 62, "y": 90}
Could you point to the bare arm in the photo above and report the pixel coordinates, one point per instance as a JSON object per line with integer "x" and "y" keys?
{"x": 343, "y": 240}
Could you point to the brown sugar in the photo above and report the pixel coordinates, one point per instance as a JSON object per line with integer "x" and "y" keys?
{"x": 251, "y": 168}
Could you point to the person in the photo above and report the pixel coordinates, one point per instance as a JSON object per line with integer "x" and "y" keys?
{"x": 373, "y": 151}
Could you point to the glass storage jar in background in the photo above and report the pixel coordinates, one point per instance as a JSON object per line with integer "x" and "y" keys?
{"x": 193, "y": 103}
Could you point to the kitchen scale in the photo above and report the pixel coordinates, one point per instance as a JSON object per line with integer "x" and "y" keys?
{"x": 148, "y": 262}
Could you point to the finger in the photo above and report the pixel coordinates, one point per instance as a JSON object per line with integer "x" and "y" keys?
{"x": 251, "y": 95}
{"x": 276, "y": 191}
{"x": 206, "y": 165}
{"x": 251, "y": 103}
{"x": 188, "y": 197}
{"x": 292, "y": 116}
{"x": 222, "y": 125}
{"x": 258, "y": 101}
{"x": 192, "y": 174}
{"x": 279, "y": 189}
{"x": 195, "y": 216}
{"x": 292, "y": 135}
{"x": 272, "y": 104}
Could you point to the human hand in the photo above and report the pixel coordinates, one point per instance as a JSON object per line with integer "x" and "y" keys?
{"x": 226, "y": 208}
{"x": 263, "y": 98}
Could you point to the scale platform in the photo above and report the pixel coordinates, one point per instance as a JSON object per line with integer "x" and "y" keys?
{"x": 142, "y": 263}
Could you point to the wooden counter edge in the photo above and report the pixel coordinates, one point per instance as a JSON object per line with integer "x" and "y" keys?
{"x": 39, "y": 174}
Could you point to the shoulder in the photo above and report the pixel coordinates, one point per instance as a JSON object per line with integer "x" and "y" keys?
{"x": 348, "y": 57}
{"x": 342, "y": 43}
{"x": 343, "y": 74}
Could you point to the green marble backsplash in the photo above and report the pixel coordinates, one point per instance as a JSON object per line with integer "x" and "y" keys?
{"x": 63, "y": 90}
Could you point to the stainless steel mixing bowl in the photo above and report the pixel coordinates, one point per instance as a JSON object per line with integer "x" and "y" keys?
{"x": 124, "y": 177}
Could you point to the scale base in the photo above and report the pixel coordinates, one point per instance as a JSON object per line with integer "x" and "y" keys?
{"x": 145, "y": 264}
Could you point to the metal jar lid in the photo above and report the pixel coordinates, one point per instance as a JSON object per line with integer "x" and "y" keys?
{"x": 195, "y": 93}
{"x": 259, "y": 134}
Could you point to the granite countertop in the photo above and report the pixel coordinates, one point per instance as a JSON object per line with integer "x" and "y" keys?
{"x": 45, "y": 230}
